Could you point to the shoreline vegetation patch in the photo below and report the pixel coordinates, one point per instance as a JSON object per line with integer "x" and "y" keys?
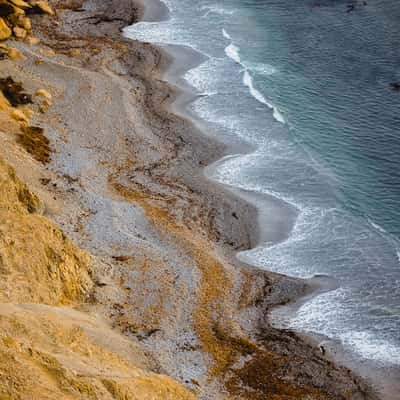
{"x": 35, "y": 143}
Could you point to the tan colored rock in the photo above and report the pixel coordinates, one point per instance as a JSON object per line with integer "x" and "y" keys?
{"x": 45, "y": 105}
{"x": 3, "y": 51}
{"x": 10, "y": 52}
{"x": 74, "y": 52}
{"x": 5, "y": 31}
{"x": 20, "y": 3}
{"x": 47, "y": 52}
{"x": 14, "y": 54}
{"x": 28, "y": 113}
{"x": 17, "y": 11}
{"x": 43, "y": 6}
{"x": 4, "y": 103}
{"x": 19, "y": 33}
{"x": 32, "y": 40}
{"x": 19, "y": 116}
{"x": 43, "y": 93}
{"x": 24, "y": 22}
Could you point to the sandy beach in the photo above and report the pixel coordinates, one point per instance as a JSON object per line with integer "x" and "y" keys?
{"x": 164, "y": 309}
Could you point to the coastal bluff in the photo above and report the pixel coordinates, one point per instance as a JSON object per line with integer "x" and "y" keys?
{"x": 118, "y": 276}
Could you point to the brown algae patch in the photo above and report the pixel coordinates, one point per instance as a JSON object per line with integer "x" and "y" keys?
{"x": 35, "y": 143}
{"x": 14, "y": 92}
{"x": 215, "y": 286}
{"x": 260, "y": 379}
{"x": 260, "y": 374}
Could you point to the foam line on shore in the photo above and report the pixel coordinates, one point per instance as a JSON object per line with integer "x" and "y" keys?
{"x": 233, "y": 52}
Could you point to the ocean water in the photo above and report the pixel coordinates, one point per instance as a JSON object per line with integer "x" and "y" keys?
{"x": 307, "y": 84}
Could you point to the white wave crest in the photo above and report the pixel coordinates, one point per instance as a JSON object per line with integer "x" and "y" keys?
{"x": 233, "y": 52}
{"x": 226, "y": 34}
{"x": 261, "y": 68}
{"x": 369, "y": 346}
{"x": 216, "y": 10}
{"x": 248, "y": 81}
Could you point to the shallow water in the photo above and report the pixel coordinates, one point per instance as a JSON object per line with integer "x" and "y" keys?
{"x": 308, "y": 85}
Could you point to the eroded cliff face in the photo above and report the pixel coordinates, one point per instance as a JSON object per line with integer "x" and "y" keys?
{"x": 49, "y": 349}
{"x": 38, "y": 263}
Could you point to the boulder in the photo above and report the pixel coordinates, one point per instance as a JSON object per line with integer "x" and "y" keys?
{"x": 42, "y": 7}
{"x": 20, "y": 4}
{"x": 14, "y": 54}
{"x": 5, "y": 31}
{"x": 47, "y": 52}
{"x": 32, "y": 40}
{"x": 74, "y": 52}
{"x": 19, "y": 116}
{"x": 43, "y": 93}
{"x": 3, "y": 52}
{"x": 19, "y": 33}
{"x": 17, "y": 11}
{"x": 29, "y": 113}
{"x": 24, "y": 22}
{"x": 45, "y": 105}
{"x": 9, "y": 52}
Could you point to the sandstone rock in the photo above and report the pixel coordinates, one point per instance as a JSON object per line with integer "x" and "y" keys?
{"x": 19, "y": 33}
{"x": 5, "y": 31}
{"x": 47, "y": 52}
{"x": 43, "y": 93}
{"x": 28, "y": 112}
{"x": 4, "y": 103}
{"x": 3, "y": 52}
{"x": 74, "y": 52}
{"x": 32, "y": 40}
{"x": 24, "y": 22}
{"x": 19, "y": 116}
{"x": 17, "y": 11}
{"x": 45, "y": 105}
{"x": 14, "y": 54}
{"x": 42, "y": 7}
{"x": 20, "y": 3}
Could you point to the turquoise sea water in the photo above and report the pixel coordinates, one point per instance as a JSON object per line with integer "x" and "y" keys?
{"x": 307, "y": 83}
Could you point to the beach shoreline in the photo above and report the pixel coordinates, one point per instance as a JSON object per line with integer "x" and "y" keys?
{"x": 181, "y": 60}
{"x": 127, "y": 185}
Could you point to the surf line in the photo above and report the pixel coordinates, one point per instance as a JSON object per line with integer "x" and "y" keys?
{"x": 232, "y": 51}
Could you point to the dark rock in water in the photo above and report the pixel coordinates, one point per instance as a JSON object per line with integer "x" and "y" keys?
{"x": 13, "y": 92}
{"x": 395, "y": 86}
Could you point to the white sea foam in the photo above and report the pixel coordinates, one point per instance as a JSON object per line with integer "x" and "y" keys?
{"x": 226, "y": 34}
{"x": 369, "y": 346}
{"x": 233, "y": 52}
{"x": 388, "y": 236}
{"x": 216, "y": 10}
{"x": 248, "y": 81}
{"x": 261, "y": 68}
{"x": 376, "y": 226}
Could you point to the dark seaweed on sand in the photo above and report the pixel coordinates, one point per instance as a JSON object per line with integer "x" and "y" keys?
{"x": 14, "y": 92}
